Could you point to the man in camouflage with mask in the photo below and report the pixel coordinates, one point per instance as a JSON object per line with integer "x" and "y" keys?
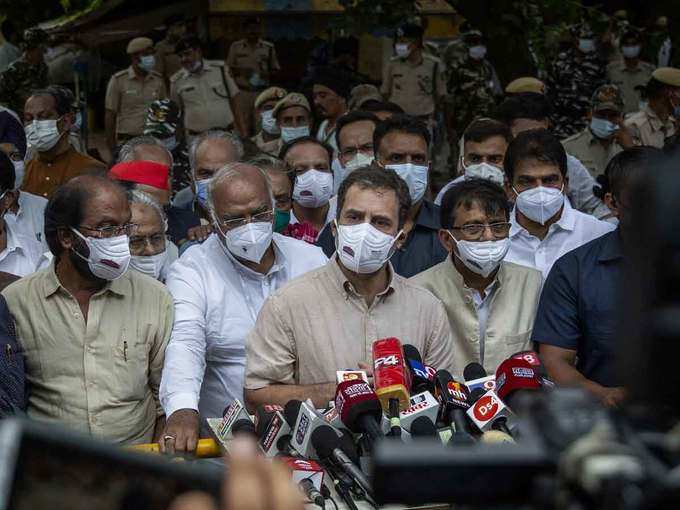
{"x": 572, "y": 80}
{"x": 161, "y": 122}
{"x": 27, "y": 73}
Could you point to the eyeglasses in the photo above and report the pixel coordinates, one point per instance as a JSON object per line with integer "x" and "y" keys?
{"x": 266, "y": 216}
{"x": 114, "y": 230}
{"x": 476, "y": 230}
{"x": 138, "y": 243}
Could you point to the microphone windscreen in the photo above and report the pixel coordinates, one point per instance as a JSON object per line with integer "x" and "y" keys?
{"x": 291, "y": 411}
{"x": 516, "y": 374}
{"x": 423, "y": 427}
{"x": 411, "y": 352}
{"x": 354, "y": 399}
{"x": 243, "y": 426}
{"x": 475, "y": 395}
{"x": 263, "y": 417}
{"x": 325, "y": 440}
{"x": 474, "y": 371}
{"x": 347, "y": 446}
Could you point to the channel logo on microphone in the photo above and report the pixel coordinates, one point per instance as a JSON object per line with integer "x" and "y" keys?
{"x": 302, "y": 428}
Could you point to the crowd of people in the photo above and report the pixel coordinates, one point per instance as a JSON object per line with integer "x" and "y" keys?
{"x": 247, "y": 241}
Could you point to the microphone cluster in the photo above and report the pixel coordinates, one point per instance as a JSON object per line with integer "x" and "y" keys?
{"x": 407, "y": 401}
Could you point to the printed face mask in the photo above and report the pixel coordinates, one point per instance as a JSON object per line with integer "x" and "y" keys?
{"x": 362, "y": 248}
{"x": 313, "y": 188}
{"x": 109, "y": 258}
{"x": 481, "y": 257}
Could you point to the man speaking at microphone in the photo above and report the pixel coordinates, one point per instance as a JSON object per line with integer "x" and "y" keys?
{"x": 328, "y": 319}
{"x": 491, "y": 303}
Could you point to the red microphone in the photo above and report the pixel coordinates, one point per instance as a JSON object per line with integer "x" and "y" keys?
{"x": 515, "y": 375}
{"x": 359, "y": 408}
{"x": 391, "y": 379}
{"x": 534, "y": 360}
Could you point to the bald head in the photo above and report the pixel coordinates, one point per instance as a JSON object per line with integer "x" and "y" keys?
{"x": 239, "y": 190}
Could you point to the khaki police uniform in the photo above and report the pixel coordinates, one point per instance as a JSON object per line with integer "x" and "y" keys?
{"x": 648, "y": 129}
{"x": 260, "y": 60}
{"x": 129, "y": 96}
{"x": 628, "y": 79}
{"x": 167, "y": 61}
{"x": 272, "y": 147}
{"x": 204, "y": 96}
{"x": 590, "y": 151}
{"x": 415, "y": 88}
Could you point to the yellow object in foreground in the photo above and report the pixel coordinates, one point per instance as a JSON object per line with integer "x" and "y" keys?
{"x": 206, "y": 448}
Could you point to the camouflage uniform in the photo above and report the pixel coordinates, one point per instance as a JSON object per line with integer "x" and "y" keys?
{"x": 21, "y": 77}
{"x": 161, "y": 122}
{"x": 572, "y": 84}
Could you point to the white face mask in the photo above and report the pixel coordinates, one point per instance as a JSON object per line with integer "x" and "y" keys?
{"x": 288, "y": 134}
{"x": 358, "y": 161}
{"x": 539, "y": 204}
{"x": 402, "y": 50}
{"x": 249, "y": 241}
{"x": 415, "y": 177}
{"x": 363, "y": 248}
{"x": 109, "y": 258}
{"x": 477, "y": 52}
{"x": 42, "y": 134}
{"x": 150, "y": 265}
{"x": 630, "y": 51}
{"x": 147, "y": 62}
{"x": 482, "y": 257}
{"x": 19, "y": 170}
{"x": 586, "y": 45}
{"x": 269, "y": 124}
{"x": 485, "y": 171}
{"x": 313, "y": 188}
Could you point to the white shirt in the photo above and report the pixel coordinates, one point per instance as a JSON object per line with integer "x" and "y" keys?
{"x": 23, "y": 252}
{"x": 31, "y": 216}
{"x": 579, "y": 191}
{"x": 217, "y": 300}
{"x": 572, "y": 230}
{"x": 483, "y": 306}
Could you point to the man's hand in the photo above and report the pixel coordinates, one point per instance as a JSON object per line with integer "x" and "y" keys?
{"x": 200, "y": 233}
{"x": 612, "y": 397}
{"x": 181, "y": 432}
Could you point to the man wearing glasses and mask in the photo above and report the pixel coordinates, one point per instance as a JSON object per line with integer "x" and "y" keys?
{"x": 94, "y": 333}
{"x": 479, "y": 289}
{"x": 219, "y": 287}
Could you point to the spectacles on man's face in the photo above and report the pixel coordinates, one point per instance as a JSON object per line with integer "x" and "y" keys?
{"x": 232, "y": 223}
{"x": 475, "y": 231}
{"x": 156, "y": 241}
{"x": 112, "y": 231}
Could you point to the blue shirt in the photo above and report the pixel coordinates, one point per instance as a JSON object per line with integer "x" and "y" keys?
{"x": 580, "y": 306}
{"x": 422, "y": 248}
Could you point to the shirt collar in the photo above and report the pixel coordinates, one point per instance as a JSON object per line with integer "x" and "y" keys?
{"x": 612, "y": 247}
{"x": 428, "y": 216}
{"x": 121, "y": 286}
{"x": 567, "y": 220}
{"x": 345, "y": 286}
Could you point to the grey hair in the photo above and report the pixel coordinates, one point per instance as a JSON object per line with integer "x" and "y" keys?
{"x": 231, "y": 170}
{"x": 127, "y": 150}
{"x": 214, "y": 134}
{"x": 266, "y": 161}
{"x": 139, "y": 197}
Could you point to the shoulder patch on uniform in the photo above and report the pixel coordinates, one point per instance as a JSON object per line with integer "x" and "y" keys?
{"x": 120, "y": 73}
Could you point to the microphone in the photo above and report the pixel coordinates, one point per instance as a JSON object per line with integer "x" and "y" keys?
{"x": 359, "y": 409}
{"x": 423, "y": 427}
{"x": 330, "y": 449}
{"x": 390, "y": 379}
{"x": 350, "y": 375}
{"x": 243, "y": 427}
{"x": 309, "y": 476}
{"x": 420, "y": 380}
{"x": 232, "y": 413}
{"x": 422, "y": 405}
{"x": 306, "y": 422}
{"x": 263, "y": 416}
{"x": 534, "y": 360}
{"x": 513, "y": 377}
{"x": 488, "y": 412}
{"x": 276, "y": 437}
{"x": 453, "y": 398}
{"x": 476, "y": 377}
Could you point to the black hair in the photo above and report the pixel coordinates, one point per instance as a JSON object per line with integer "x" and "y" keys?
{"x": 655, "y": 88}
{"x": 173, "y": 19}
{"x": 538, "y": 144}
{"x": 488, "y": 195}
{"x": 625, "y": 169}
{"x": 374, "y": 177}
{"x": 305, "y": 139}
{"x": 400, "y": 124}
{"x": 7, "y": 176}
{"x": 350, "y": 118}
{"x": 8, "y": 28}
{"x": 62, "y": 103}
{"x": 526, "y": 105}
{"x": 373, "y": 105}
{"x": 480, "y": 130}
{"x": 66, "y": 206}
{"x": 188, "y": 42}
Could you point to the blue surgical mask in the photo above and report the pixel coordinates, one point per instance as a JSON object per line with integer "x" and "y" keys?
{"x": 288, "y": 134}
{"x": 602, "y": 128}
{"x": 202, "y": 192}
